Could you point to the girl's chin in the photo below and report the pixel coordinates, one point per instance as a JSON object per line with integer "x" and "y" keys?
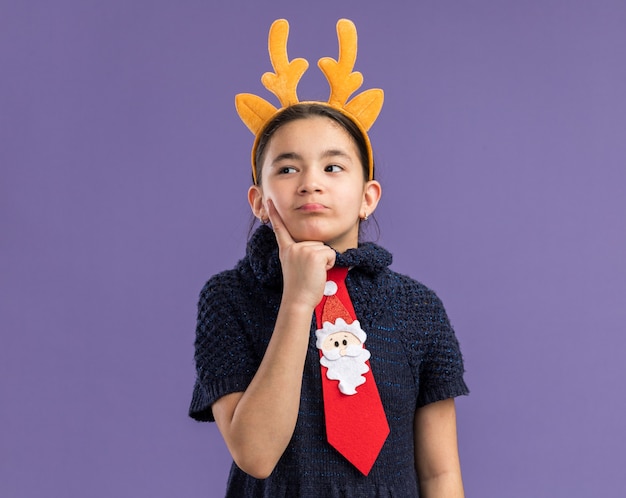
{"x": 339, "y": 243}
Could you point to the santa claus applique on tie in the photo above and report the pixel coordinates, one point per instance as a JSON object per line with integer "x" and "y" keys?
{"x": 356, "y": 424}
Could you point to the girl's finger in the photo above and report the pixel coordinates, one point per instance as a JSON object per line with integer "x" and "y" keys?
{"x": 283, "y": 237}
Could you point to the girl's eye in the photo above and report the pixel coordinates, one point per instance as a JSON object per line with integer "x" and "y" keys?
{"x": 286, "y": 169}
{"x": 333, "y": 168}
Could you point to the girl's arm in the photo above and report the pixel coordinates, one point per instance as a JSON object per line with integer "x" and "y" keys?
{"x": 257, "y": 424}
{"x": 436, "y": 451}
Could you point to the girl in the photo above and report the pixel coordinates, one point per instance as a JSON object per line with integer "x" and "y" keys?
{"x": 277, "y": 332}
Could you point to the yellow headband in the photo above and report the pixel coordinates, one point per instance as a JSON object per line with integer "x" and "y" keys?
{"x": 363, "y": 109}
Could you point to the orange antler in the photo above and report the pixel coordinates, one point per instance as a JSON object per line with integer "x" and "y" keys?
{"x": 363, "y": 109}
{"x": 343, "y": 82}
{"x": 366, "y": 106}
{"x": 284, "y": 82}
{"x": 255, "y": 111}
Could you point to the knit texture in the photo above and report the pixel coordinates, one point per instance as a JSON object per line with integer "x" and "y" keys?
{"x": 415, "y": 360}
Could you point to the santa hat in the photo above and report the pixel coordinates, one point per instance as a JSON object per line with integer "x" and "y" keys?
{"x": 336, "y": 317}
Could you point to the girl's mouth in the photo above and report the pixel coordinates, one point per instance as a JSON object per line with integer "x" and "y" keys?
{"x": 312, "y": 207}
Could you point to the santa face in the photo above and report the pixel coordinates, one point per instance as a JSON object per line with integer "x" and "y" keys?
{"x": 345, "y": 358}
{"x": 348, "y": 369}
{"x": 343, "y": 353}
{"x": 341, "y": 342}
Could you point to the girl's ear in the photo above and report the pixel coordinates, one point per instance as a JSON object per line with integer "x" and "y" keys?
{"x": 371, "y": 196}
{"x": 255, "y": 199}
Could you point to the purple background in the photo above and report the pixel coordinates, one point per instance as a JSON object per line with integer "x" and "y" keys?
{"x": 124, "y": 167}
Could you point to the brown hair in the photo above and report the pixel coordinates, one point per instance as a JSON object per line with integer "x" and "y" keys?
{"x": 307, "y": 110}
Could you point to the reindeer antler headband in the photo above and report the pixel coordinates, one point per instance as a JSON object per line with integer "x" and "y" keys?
{"x": 363, "y": 109}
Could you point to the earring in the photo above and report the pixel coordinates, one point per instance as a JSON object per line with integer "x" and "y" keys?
{"x": 264, "y": 221}
{"x": 365, "y": 217}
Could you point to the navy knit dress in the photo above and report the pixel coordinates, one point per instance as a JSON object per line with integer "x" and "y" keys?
{"x": 415, "y": 360}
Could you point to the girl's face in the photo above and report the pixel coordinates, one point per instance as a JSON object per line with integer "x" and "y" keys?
{"x": 313, "y": 174}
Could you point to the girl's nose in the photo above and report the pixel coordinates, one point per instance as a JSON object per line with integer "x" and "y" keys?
{"x": 311, "y": 182}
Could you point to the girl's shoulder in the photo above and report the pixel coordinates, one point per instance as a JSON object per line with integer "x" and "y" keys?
{"x": 225, "y": 278}
{"x": 406, "y": 290}
{"x": 403, "y": 282}
{"x": 244, "y": 282}
{"x": 230, "y": 282}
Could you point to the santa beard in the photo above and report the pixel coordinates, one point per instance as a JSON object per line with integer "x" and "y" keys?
{"x": 346, "y": 369}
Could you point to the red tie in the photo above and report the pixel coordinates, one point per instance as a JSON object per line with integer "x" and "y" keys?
{"x": 356, "y": 424}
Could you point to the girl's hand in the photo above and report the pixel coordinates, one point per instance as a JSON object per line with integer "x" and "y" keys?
{"x": 258, "y": 424}
{"x": 304, "y": 264}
